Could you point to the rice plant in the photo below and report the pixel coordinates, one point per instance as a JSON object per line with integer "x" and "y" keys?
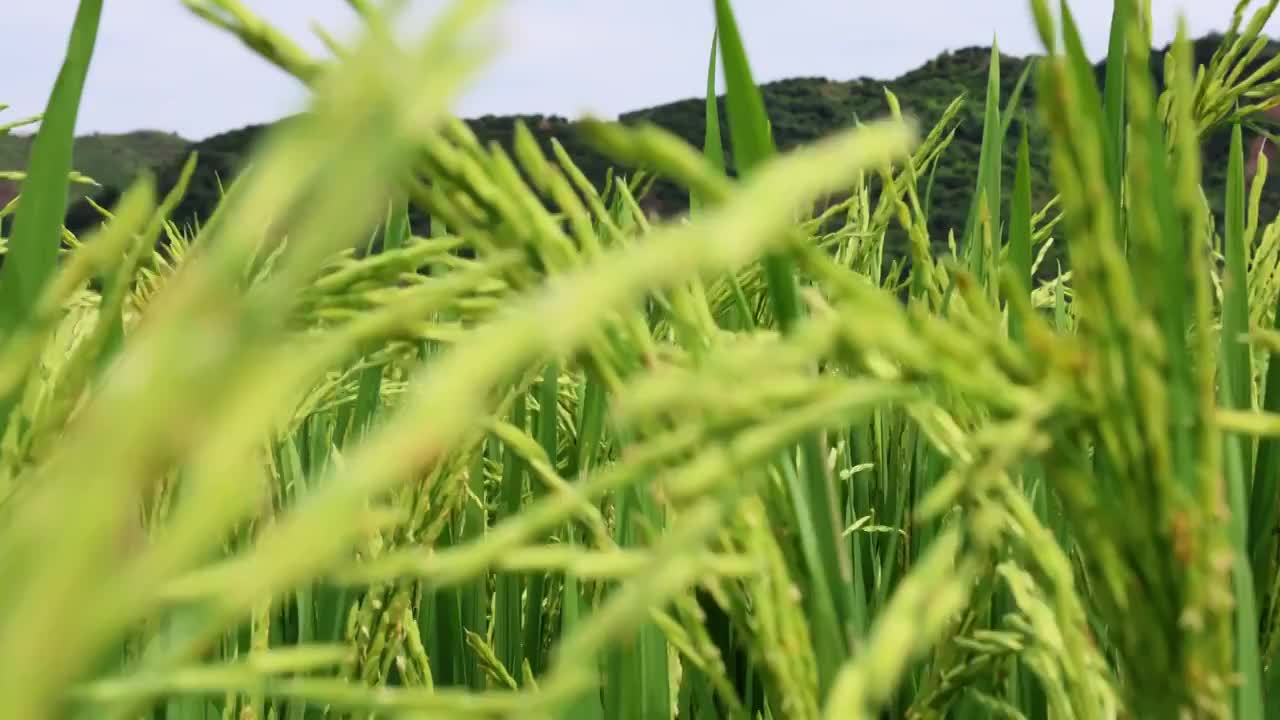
{"x": 559, "y": 460}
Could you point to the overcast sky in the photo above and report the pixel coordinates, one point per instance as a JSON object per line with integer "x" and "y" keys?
{"x": 159, "y": 67}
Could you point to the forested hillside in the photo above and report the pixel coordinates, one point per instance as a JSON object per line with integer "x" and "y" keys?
{"x": 111, "y": 159}
{"x": 802, "y": 109}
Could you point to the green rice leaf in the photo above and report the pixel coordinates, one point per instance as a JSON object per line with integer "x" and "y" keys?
{"x": 33, "y": 249}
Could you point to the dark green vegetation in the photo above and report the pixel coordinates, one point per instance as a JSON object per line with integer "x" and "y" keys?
{"x": 114, "y": 160}
{"x": 801, "y": 110}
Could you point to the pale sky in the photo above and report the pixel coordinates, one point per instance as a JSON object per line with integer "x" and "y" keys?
{"x": 159, "y": 67}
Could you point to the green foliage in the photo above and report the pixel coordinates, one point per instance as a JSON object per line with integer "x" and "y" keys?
{"x": 556, "y": 458}
{"x": 32, "y": 251}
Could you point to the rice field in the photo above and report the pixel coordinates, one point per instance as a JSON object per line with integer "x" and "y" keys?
{"x": 557, "y": 460}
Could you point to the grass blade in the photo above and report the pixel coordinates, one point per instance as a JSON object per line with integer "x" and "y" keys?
{"x": 33, "y": 250}
{"x": 752, "y": 144}
{"x": 508, "y": 638}
{"x": 548, "y": 424}
{"x": 712, "y": 144}
{"x": 1020, "y": 232}
{"x": 1235, "y": 384}
{"x": 1113, "y": 103}
{"x": 985, "y": 211}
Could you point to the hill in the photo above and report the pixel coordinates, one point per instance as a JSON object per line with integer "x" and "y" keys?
{"x": 113, "y": 160}
{"x": 802, "y": 110}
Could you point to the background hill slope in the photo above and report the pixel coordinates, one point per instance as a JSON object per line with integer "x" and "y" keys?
{"x": 802, "y": 110}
